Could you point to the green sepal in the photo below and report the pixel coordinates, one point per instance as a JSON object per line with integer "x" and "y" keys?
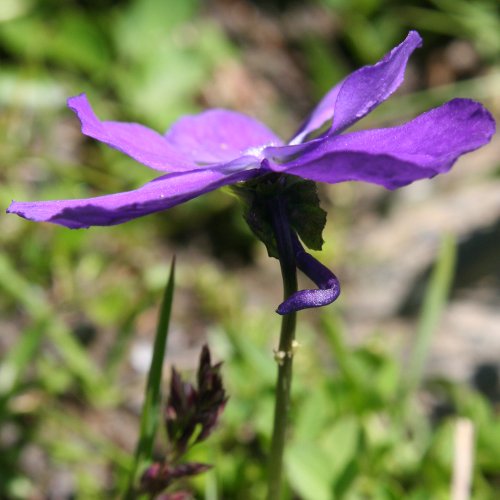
{"x": 305, "y": 214}
{"x": 301, "y": 199}
{"x": 254, "y": 196}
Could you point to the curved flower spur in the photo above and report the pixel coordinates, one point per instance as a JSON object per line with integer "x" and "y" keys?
{"x": 216, "y": 148}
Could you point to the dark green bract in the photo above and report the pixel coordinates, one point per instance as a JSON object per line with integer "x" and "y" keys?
{"x": 301, "y": 199}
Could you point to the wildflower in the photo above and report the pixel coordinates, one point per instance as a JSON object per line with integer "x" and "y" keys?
{"x": 217, "y": 148}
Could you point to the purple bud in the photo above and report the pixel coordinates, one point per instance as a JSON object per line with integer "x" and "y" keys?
{"x": 191, "y": 414}
{"x": 211, "y": 394}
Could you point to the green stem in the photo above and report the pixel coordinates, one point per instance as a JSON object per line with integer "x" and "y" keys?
{"x": 282, "y": 403}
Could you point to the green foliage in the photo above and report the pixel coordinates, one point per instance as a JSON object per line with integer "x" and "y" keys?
{"x": 358, "y": 429}
{"x": 353, "y": 435}
{"x": 153, "y": 55}
{"x": 370, "y": 27}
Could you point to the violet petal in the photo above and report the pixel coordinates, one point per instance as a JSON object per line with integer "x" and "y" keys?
{"x": 159, "y": 194}
{"x": 328, "y": 284}
{"x": 320, "y": 115}
{"x": 361, "y": 91}
{"x": 219, "y": 135}
{"x": 394, "y": 157}
{"x": 366, "y": 88}
{"x": 137, "y": 141}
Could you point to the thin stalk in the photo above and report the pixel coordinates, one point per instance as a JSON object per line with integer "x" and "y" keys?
{"x": 285, "y": 355}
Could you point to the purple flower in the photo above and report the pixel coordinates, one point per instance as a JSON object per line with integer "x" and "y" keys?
{"x": 216, "y": 148}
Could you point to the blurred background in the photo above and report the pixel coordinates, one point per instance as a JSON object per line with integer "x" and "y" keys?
{"x": 78, "y": 308}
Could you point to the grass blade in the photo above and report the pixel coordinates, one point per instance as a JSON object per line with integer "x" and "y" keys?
{"x": 434, "y": 302}
{"x": 152, "y": 402}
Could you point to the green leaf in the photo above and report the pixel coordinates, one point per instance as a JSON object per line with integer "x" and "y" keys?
{"x": 151, "y": 409}
{"x": 308, "y": 471}
{"x": 340, "y": 443}
{"x": 313, "y": 414}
